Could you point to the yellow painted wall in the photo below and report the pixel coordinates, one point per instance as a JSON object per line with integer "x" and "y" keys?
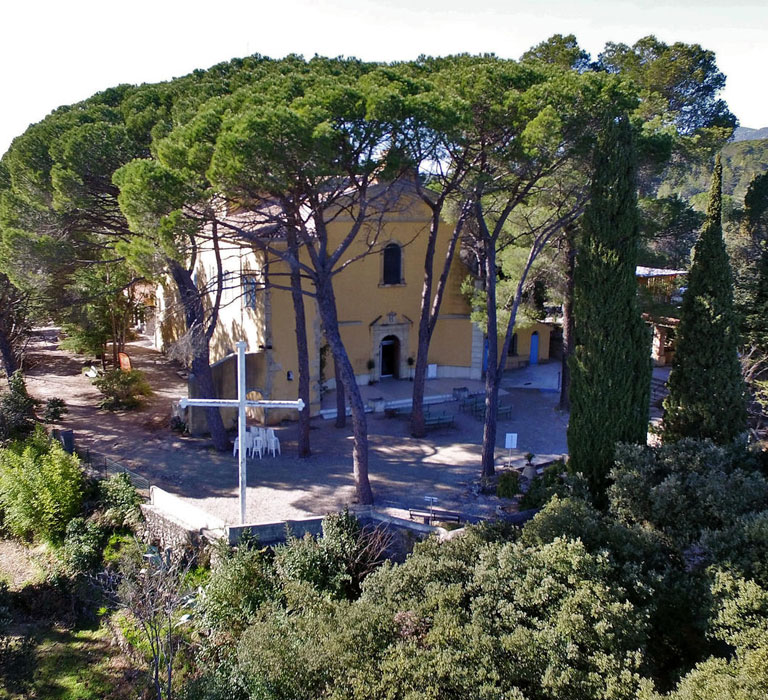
{"x": 524, "y": 334}
{"x": 363, "y": 299}
{"x": 368, "y": 309}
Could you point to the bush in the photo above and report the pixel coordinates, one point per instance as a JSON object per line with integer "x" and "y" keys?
{"x": 338, "y": 562}
{"x": 82, "y": 548}
{"x": 686, "y": 487}
{"x": 55, "y": 408}
{"x": 41, "y": 488}
{"x": 240, "y": 583}
{"x": 305, "y": 559}
{"x": 509, "y": 485}
{"x": 17, "y": 410}
{"x": 120, "y": 500}
{"x": 481, "y": 620}
{"x": 122, "y": 389}
{"x": 554, "y": 482}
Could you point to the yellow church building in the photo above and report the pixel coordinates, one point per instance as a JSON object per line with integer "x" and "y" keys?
{"x": 378, "y": 299}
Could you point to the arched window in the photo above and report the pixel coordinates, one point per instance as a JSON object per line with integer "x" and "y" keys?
{"x": 392, "y": 264}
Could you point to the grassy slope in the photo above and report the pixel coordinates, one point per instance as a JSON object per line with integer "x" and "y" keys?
{"x": 57, "y": 662}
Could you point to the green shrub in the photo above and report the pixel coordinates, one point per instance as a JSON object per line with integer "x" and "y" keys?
{"x": 553, "y": 482}
{"x": 305, "y": 559}
{"x": 55, "y": 408}
{"x": 120, "y": 500}
{"x": 509, "y": 485}
{"x": 116, "y": 546}
{"x": 17, "y": 410}
{"x": 339, "y": 561}
{"x": 687, "y": 487}
{"x": 240, "y": 583}
{"x": 82, "y": 548}
{"x": 122, "y": 389}
{"x": 41, "y": 488}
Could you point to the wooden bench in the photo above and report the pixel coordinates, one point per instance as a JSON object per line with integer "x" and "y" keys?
{"x": 469, "y": 404}
{"x": 427, "y": 516}
{"x": 504, "y": 412}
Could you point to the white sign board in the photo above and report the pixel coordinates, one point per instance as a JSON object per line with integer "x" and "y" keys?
{"x": 511, "y": 441}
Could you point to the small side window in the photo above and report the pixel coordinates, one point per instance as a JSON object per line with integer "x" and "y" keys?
{"x": 250, "y": 287}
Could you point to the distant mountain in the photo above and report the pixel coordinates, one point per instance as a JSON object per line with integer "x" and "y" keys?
{"x": 744, "y": 133}
{"x": 742, "y": 160}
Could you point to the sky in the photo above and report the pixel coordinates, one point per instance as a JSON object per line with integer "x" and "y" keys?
{"x": 57, "y": 52}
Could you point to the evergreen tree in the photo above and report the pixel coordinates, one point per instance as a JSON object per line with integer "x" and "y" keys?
{"x": 753, "y": 281}
{"x": 706, "y": 390}
{"x": 611, "y": 366}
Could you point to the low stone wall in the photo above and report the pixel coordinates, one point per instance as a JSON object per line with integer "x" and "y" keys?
{"x": 274, "y": 533}
{"x": 166, "y": 530}
{"x": 176, "y": 523}
{"x": 194, "y": 517}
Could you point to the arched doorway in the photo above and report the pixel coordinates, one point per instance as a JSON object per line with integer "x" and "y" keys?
{"x": 533, "y": 358}
{"x": 389, "y": 352}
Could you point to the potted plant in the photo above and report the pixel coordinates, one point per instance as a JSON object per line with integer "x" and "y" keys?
{"x": 410, "y": 362}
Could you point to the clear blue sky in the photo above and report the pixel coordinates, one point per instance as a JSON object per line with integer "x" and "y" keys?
{"x": 55, "y": 52}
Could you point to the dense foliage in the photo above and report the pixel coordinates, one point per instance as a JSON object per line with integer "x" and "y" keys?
{"x": 706, "y": 391}
{"x": 635, "y": 602}
{"x": 41, "y": 488}
{"x": 610, "y": 368}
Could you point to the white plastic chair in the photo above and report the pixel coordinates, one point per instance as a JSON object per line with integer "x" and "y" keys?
{"x": 237, "y": 444}
{"x": 256, "y": 444}
{"x": 273, "y": 442}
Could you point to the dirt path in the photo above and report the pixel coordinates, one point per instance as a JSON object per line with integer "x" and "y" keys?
{"x": 116, "y": 434}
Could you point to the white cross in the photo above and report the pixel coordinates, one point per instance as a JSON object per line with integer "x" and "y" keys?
{"x": 241, "y": 403}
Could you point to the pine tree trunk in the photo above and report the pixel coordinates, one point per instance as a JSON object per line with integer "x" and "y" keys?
{"x": 302, "y": 352}
{"x": 428, "y": 314}
{"x": 327, "y": 306}
{"x": 341, "y": 397}
{"x": 492, "y": 375}
{"x": 418, "y": 428}
{"x": 194, "y": 315}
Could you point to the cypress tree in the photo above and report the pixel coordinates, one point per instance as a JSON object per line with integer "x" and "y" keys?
{"x": 611, "y": 364}
{"x": 706, "y": 391}
{"x": 754, "y": 280}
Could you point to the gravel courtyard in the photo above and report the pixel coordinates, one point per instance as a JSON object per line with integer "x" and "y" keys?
{"x": 445, "y": 464}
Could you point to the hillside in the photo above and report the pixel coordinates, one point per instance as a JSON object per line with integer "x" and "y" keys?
{"x": 742, "y": 160}
{"x": 744, "y": 133}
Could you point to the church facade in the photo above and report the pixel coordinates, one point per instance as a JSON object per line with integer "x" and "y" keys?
{"x": 378, "y": 299}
